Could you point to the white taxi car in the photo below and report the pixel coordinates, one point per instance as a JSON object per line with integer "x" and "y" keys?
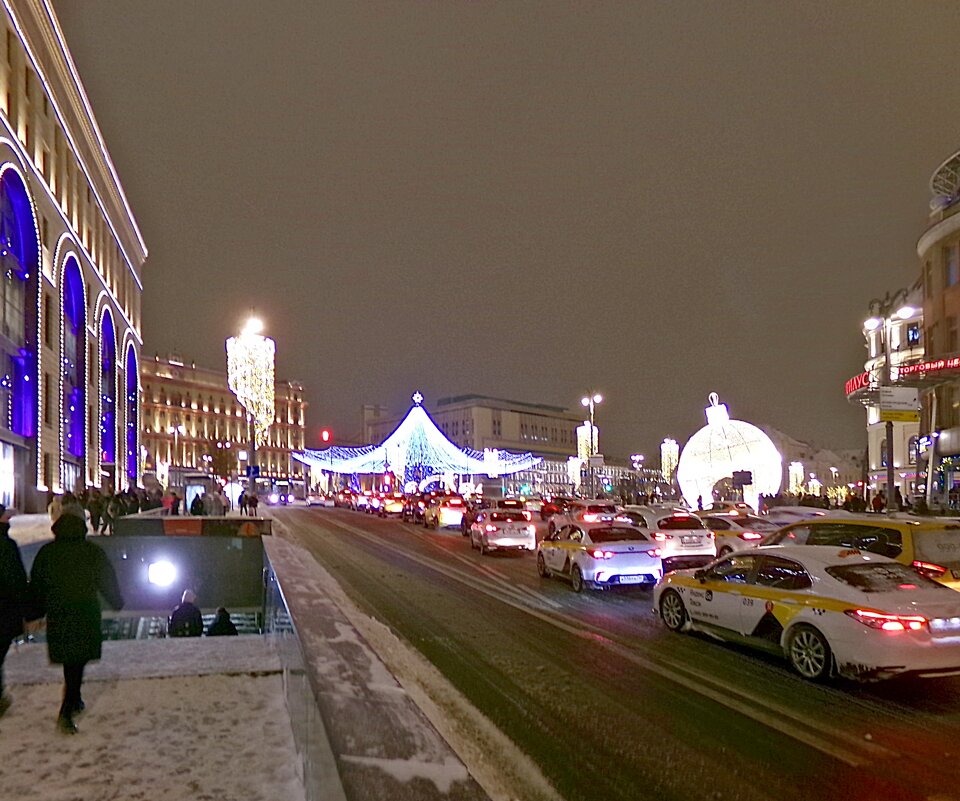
{"x": 681, "y": 536}
{"x": 736, "y": 532}
{"x": 503, "y": 530}
{"x": 828, "y": 610}
{"x": 600, "y": 556}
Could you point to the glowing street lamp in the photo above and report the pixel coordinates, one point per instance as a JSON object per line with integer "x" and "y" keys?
{"x": 590, "y": 402}
{"x": 250, "y": 375}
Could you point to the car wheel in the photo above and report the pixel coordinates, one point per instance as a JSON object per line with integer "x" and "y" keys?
{"x": 473, "y": 542}
{"x": 576, "y": 579}
{"x": 809, "y": 653}
{"x": 542, "y": 568}
{"x": 483, "y": 547}
{"x": 672, "y": 611}
{"x": 726, "y": 549}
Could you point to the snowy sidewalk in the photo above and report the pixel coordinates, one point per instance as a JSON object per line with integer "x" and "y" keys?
{"x": 179, "y": 719}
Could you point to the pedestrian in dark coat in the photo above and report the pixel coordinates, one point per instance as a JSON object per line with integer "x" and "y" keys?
{"x": 222, "y": 625}
{"x": 14, "y": 600}
{"x": 67, "y": 577}
{"x": 185, "y": 620}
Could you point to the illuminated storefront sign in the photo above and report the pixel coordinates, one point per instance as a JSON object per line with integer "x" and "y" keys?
{"x": 857, "y": 382}
{"x": 934, "y": 366}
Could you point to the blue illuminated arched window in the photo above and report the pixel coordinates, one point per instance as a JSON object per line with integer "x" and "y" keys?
{"x": 132, "y": 422}
{"x": 19, "y": 258}
{"x": 108, "y": 390}
{"x": 74, "y": 398}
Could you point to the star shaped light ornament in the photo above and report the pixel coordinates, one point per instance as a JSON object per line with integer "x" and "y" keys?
{"x": 417, "y": 398}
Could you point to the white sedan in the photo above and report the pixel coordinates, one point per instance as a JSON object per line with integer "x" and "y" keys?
{"x": 737, "y": 532}
{"x": 503, "y": 530}
{"x": 828, "y": 610}
{"x": 600, "y": 556}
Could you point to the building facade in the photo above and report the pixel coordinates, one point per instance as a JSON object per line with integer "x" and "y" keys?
{"x": 193, "y": 424}
{"x": 72, "y": 256}
{"x": 901, "y": 334}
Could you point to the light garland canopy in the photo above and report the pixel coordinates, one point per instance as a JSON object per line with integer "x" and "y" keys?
{"x": 417, "y": 446}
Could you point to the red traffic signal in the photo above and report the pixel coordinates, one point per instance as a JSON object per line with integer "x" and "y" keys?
{"x": 325, "y": 435}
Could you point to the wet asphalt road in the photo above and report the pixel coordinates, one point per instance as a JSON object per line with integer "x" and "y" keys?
{"x": 612, "y": 706}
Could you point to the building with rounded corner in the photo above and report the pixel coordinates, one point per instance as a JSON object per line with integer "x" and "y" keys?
{"x": 72, "y": 254}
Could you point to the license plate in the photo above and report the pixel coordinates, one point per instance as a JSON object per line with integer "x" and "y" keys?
{"x": 631, "y": 579}
{"x": 690, "y": 540}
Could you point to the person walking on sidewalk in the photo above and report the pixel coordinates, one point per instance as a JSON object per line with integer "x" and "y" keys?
{"x": 14, "y": 598}
{"x": 67, "y": 577}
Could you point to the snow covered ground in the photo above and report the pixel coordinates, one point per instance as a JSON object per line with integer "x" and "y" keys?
{"x": 178, "y": 719}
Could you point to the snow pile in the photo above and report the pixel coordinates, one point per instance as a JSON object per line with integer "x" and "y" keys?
{"x": 213, "y": 727}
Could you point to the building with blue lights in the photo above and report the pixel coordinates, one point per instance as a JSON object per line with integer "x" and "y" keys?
{"x": 71, "y": 285}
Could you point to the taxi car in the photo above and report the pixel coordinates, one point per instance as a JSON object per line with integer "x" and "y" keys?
{"x": 681, "y": 536}
{"x": 503, "y": 530}
{"x": 600, "y": 556}
{"x": 828, "y": 610}
{"x": 392, "y": 504}
{"x": 931, "y": 546}
{"x": 444, "y": 511}
{"x": 734, "y": 531}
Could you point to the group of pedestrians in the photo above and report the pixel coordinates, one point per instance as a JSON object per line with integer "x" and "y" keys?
{"x": 64, "y": 587}
{"x": 210, "y": 504}
{"x": 186, "y": 620}
{"x": 248, "y": 503}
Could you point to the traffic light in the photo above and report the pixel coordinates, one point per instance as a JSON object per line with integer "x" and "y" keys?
{"x": 325, "y": 435}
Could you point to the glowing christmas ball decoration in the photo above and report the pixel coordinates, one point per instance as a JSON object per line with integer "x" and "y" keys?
{"x": 721, "y": 447}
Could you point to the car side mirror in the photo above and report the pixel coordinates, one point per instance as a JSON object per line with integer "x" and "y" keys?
{"x": 701, "y": 576}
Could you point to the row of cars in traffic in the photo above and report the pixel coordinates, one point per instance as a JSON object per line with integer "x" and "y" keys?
{"x": 860, "y": 596}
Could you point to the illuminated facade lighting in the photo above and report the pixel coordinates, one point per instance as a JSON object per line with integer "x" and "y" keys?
{"x": 669, "y": 458}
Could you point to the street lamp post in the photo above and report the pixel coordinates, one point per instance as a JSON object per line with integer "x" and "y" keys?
{"x": 637, "y": 460}
{"x": 882, "y": 309}
{"x": 177, "y": 430}
{"x": 590, "y": 402}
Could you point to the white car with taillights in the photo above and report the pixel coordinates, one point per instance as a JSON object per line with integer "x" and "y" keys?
{"x": 829, "y": 611}
{"x": 734, "y": 531}
{"x": 503, "y": 530}
{"x": 682, "y": 537}
{"x": 600, "y": 556}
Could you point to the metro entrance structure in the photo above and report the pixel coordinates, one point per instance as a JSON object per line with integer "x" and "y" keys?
{"x": 417, "y": 451}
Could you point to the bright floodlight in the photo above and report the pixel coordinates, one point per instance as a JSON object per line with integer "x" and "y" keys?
{"x": 253, "y": 326}
{"x": 597, "y": 398}
{"x": 906, "y": 312}
{"x": 162, "y": 573}
{"x": 584, "y": 401}
{"x": 872, "y": 324}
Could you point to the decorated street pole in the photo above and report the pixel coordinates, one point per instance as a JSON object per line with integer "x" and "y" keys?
{"x": 250, "y": 375}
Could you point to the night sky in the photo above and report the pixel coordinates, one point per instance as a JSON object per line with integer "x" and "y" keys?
{"x": 526, "y": 200}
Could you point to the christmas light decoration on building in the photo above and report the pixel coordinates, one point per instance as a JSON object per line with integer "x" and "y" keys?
{"x": 669, "y": 457}
{"x": 250, "y": 375}
{"x": 722, "y": 447}
{"x": 416, "y": 450}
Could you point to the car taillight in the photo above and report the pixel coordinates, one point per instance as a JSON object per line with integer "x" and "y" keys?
{"x": 590, "y": 517}
{"x": 601, "y": 554}
{"x": 490, "y": 527}
{"x": 929, "y": 569}
{"x": 750, "y": 535}
{"x": 711, "y": 535}
{"x": 654, "y": 552}
{"x": 885, "y": 622}
{"x": 422, "y": 505}
{"x": 659, "y": 536}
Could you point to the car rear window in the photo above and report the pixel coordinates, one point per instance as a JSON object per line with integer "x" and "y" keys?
{"x": 602, "y": 507}
{"x": 875, "y": 539}
{"x": 509, "y": 517}
{"x": 886, "y": 577}
{"x": 680, "y": 522}
{"x": 938, "y": 545}
{"x": 617, "y": 534}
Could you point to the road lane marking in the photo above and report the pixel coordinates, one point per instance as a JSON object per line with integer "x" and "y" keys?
{"x": 769, "y": 714}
